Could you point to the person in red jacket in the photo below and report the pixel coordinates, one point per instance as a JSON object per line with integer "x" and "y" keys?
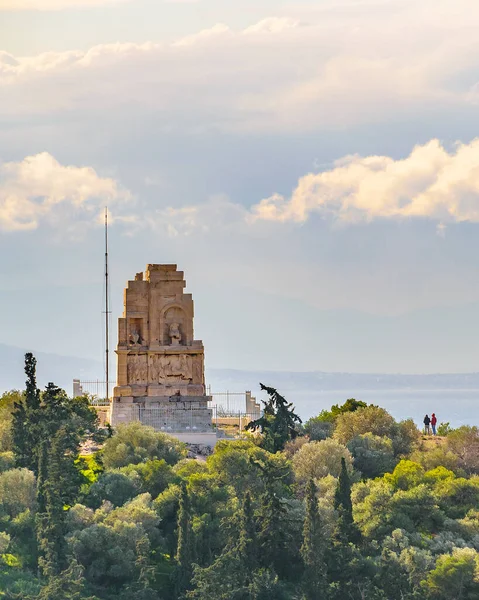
{"x": 433, "y": 423}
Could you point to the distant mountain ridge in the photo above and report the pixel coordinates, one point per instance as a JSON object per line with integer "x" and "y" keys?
{"x": 339, "y": 381}
{"x": 50, "y": 367}
{"x": 63, "y": 369}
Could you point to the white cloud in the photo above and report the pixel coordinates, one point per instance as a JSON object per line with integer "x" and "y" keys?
{"x": 304, "y": 70}
{"x": 40, "y": 190}
{"x": 431, "y": 182}
{"x": 48, "y": 5}
{"x": 272, "y": 25}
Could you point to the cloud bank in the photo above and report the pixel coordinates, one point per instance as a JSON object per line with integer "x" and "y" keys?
{"x": 430, "y": 182}
{"x": 328, "y": 68}
{"x": 39, "y": 190}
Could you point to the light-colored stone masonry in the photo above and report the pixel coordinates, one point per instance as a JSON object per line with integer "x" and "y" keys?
{"x": 160, "y": 366}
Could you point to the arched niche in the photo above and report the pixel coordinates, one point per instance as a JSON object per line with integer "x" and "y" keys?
{"x": 174, "y": 314}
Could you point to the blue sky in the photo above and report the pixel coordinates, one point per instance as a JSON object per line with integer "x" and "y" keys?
{"x": 313, "y": 167}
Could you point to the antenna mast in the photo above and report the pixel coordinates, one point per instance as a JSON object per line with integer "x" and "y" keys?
{"x": 107, "y": 312}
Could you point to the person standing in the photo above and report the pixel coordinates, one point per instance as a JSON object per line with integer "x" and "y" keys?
{"x": 433, "y": 423}
{"x": 426, "y": 422}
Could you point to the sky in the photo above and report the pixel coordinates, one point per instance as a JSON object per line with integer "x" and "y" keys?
{"x": 312, "y": 166}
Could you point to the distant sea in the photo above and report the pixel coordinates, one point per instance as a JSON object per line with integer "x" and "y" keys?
{"x": 458, "y": 407}
{"x": 454, "y": 398}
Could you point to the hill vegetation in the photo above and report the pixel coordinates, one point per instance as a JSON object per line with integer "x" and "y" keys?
{"x": 349, "y": 505}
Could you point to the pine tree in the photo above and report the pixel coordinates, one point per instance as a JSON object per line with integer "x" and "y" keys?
{"x": 278, "y": 422}
{"x": 184, "y": 551}
{"x": 312, "y": 549}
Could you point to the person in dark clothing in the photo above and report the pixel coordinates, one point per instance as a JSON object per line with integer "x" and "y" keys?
{"x": 427, "y": 422}
{"x": 433, "y": 423}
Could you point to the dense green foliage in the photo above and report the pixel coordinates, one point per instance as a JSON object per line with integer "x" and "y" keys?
{"x": 278, "y": 423}
{"x": 364, "y": 509}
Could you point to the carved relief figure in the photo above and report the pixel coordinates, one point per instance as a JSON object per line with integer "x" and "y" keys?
{"x": 175, "y": 368}
{"x": 137, "y": 369}
{"x": 175, "y": 334}
{"x": 197, "y": 370}
{"x": 154, "y": 369}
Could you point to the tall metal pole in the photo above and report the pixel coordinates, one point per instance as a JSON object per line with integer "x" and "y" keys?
{"x": 107, "y": 312}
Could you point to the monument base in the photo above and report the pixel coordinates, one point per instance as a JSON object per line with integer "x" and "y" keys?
{"x": 186, "y": 416}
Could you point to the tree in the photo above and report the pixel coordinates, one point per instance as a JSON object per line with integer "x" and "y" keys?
{"x": 455, "y": 576}
{"x": 58, "y": 484}
{"x": 135, "y": 443}
{"x": 376, "y": 420}
{"x": 68, "y": 585}
{"x": 113, "y": 487}
{"x": 26, "y": 415}
{"x": 347, "y": 530}
{"x": 17, "y": 492}
{"x": 48, "y": 429}
{"x": 153, "y": 476}
{"x": 464, "y": 442}
{"x": 278, "y": 422}
{"x": 329, "y": 416}
{"x": 242, "y": 465}
{"x": 7, "y": 403}
{"x": 247, "y": 550}
{"x": 312, "y": 549}
{"x": 319, "y": 459}
{"x": 184, "y": 550}
{"x": 373, "y": 455}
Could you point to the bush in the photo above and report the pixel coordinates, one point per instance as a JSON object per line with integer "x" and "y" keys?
{"x": 134, "y": 443}
{"x": 444, "y": 429}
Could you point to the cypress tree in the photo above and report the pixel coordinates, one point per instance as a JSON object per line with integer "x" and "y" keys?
{"x": 26, "y": 420}
{"x": 347, "y": 530}
{"x": 247, "y": 538}
{"x": 54, "y": 487}
{"x": 47, "y": 431}
{"x": 312, "y": 549}
{"x": 342, "y": 497}
{"x": 184, "y": 551}
{"x": 272, "y": 537}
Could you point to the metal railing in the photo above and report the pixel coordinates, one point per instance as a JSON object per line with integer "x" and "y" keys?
{"x": 171, "y": 419}
{"x": 227, "y": 402}
{"x": 96, "y": 389}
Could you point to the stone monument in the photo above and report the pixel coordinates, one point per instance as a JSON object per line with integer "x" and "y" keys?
{"x": 160, "y": 366}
